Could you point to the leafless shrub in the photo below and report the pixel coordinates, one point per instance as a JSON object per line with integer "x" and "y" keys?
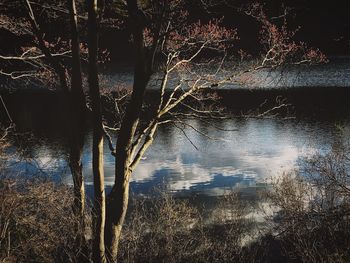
{"x": 313, "y": 222}
{"x": 171, "y": 229}
{"x": 229, "y": 230}
{"x": 37, "y": 223}
{"x": 160, "y": 231}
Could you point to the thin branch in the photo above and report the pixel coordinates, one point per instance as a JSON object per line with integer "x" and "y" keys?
{"x": 207, "y": 112}
{"x": 109, "y": 140}
{"x": 184, "y": 61}
{"x": 199, "y": 132}
{"x": 19, "y": 74}
{"x": 136, "y": 144}
{"x": 148, "y": 141}
{"x": 162, "y": 88}
{"x": 6, "y": 110}
{"x": 5, "y": 133}
{"x": 186, "y": 136}
{"x": 170, "y": 106}
{"x": 165, "y": 122}
{"x": 283, "y": 105}
{"x": 111, "y": 128}
{"x": 171, "y": 97}
{"x": 22, "y": 57}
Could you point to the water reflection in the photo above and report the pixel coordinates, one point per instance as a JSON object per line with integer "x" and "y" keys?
{"x": 253, "y": 151}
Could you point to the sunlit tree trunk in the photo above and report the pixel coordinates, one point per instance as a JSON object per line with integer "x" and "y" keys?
{"x": 97, "y": 149}
{"x": 118, "y": 198}
{"x": 76, "y": 169}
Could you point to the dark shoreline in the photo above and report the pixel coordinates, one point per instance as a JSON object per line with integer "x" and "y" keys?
{"x": 329, "y": 101}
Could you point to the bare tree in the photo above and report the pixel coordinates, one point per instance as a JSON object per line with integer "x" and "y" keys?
{"x": 98, "y": 133}
{"x": 77, "y": 106}
{"x": 180, "y": 43}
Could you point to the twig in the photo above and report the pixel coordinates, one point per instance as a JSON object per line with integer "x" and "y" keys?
{"x": 109, "y": 140}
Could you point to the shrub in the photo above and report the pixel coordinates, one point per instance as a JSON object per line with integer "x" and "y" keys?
{"x": 37, "y": 223}
{"x": 313, "y": 221}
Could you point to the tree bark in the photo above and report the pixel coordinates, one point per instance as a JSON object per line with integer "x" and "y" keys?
{"x": 77, "y": 107}
{"x": 117, "y": 205}
{"x": 77, "y": 173}
{"x": 118, "y": 198}
{"x": 77, "y": 130}
{"x": 97, "y": 149}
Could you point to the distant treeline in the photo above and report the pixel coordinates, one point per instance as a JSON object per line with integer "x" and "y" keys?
{"x": 320, "y": 24}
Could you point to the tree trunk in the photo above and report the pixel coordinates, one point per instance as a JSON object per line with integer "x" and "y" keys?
{"x": 97, "y": 150}
{"x": 77, "y": 126}
{"x": 118, "y": 198}
{"x": 76, "y": 83}
{"x": 77, "y": 109}
{"x": 77, "y": 173}
{"x": 75, "y": 164}
{"x": 116, "y": 210}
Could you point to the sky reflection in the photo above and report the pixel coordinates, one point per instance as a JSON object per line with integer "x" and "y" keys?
{"x": 255, "y": 151}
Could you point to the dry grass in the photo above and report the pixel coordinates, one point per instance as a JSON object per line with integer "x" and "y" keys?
{"x": 36, "y": 219}
{"x": 169, "y": 229}
{"x": 37, "y": 223}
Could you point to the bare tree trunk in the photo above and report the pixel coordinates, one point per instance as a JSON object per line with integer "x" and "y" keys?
{"x": 77, "y": 173}
{"x": 116, "y": 210}
{"x": 78, "y": 114}
{"x": 77, "y": 86}
{"x": 60, "y": 70}
{"x": 118, "y": 198}
{"x": 77, "y": 124}
{"x": 97, "y": 149}
{"x": 99, "y": 200}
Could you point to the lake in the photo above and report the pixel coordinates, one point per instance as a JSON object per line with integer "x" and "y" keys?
{"x": 243, "y": 153}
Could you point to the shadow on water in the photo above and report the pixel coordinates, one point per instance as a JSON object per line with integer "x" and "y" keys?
{"x": 48, "y": 112}
{"x": 317, "y": 102}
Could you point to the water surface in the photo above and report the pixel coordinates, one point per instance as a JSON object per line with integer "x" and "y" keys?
{"x": 240, "y": 154}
